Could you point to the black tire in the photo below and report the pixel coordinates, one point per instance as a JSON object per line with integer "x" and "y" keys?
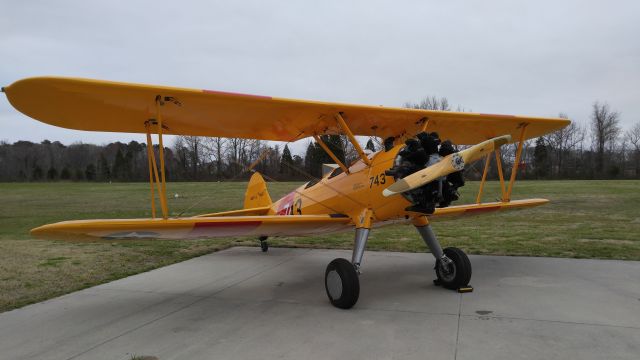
{"x": 264, "y": 245}
{"x": 459, "y": 272}
{"x": 341, "y": 283}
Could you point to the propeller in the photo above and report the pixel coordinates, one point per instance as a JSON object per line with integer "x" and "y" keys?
{"x": 449, "y": 164}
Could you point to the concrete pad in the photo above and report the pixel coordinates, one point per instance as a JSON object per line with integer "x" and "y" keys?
{"x": 241, "y": 303}
{"x": 601, "y": 292}
{"x": 505, "y": 338}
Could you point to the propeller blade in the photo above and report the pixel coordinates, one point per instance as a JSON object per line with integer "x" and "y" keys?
{"x": 450, "y": 163}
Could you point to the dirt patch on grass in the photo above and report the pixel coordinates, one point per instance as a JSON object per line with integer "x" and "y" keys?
{"x": 608, "y": 241}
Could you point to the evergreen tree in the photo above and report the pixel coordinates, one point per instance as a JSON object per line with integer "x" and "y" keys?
{"x": 103, "y": 168}
{"x": 298, "y": 163}
{"x": 52, "y": 173}
{"x": 36, "y": 174}
{"x": 311, "y": 159}
{"x": 316, "y": 156}
{"x": 286, "y": 161}
{"x": 78, "y": 175}
{"x": 370, "y": 145}
{"x": 118, "y": 171}
{"x": 128, "y": 164}
{"x": 65, "y": 174}
{"x": 334, "y": 143}
{"x": 90, "y": 172}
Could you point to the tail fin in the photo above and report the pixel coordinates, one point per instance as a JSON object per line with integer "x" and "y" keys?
{"x": 257, "y": 194}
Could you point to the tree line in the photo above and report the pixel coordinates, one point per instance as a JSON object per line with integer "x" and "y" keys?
{"x": 597, "y": 149}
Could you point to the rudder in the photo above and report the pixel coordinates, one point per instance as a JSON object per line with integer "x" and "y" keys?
{"x": 257, "y": 194}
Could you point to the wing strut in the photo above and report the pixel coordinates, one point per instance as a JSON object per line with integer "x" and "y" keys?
{"x": 484, "y": 178}
{"x": 352, "y": 138}
{"x": 330, "y": 153}
{"x": 345, "y": 129}
{"x": 160, "y": 181}
{"x": 500, "y": 173}
{"x": 506, "y": 191}
{"x": 151, "y": 161}
{"x": 516, "y": 163}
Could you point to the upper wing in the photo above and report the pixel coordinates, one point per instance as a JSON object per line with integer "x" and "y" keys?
{"x": 121, "y": 107}
{"x": 194, "y": 227}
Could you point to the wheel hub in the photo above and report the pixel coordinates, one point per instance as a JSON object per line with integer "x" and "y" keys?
{"x": 334, "y": 284}
{"x": 447, "y": 270}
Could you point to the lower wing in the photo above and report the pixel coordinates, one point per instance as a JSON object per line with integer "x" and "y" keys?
{"x": 193, "y": 227}
{"x": 219, "y": 225}
{"x": 483, "y": 208}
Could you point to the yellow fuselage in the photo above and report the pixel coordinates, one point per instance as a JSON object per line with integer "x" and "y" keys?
{"x": 349, "y": 194}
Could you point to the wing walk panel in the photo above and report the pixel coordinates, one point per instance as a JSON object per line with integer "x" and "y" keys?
{"x": 121, "y": 107}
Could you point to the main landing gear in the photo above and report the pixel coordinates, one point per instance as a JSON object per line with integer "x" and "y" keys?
{"x": 341, "y": 277}
{"x": 453, "y": 268}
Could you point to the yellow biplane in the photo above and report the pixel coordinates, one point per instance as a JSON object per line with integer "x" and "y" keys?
{"x": 414, "y": 178}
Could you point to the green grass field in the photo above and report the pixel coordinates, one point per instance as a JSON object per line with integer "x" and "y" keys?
{"x": 586, "y": 219}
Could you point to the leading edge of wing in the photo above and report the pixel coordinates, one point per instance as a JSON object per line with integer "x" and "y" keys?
{"x": 96, "y": 105}
{"x": 192, "y": 227}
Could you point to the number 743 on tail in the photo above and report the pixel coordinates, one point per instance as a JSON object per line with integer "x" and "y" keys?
{"x": 415, "y": 178}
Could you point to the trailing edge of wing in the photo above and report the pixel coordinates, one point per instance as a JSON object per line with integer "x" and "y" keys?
{"x": 96, "y": 105}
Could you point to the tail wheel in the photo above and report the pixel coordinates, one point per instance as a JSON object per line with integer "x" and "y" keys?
{"x": 341, "y": 283}
{"x": 264, "y": 245}
{"x": 456, "y": 273}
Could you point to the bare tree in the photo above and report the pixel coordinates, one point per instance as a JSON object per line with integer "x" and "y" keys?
{"x": 192, "y": 148}
{"x": 563, "y": 142}
{"x": 604, "y": 130}
{"x": 430, "y": 103}
{"x": 350, "y": 153}
{"x": 215, "y": 149}
{"x": 633, "y": 137}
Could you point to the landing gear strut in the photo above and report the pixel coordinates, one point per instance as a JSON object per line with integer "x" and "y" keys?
{"x": 341, "y": 276}
{"x": 453, "y": 268}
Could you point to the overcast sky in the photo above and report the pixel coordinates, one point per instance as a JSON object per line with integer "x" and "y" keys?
{"x": 530, "y": 58}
